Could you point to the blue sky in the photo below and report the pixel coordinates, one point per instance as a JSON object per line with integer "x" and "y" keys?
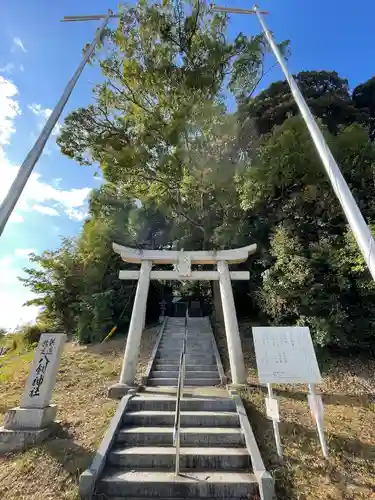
{"x": 38, "y": 55}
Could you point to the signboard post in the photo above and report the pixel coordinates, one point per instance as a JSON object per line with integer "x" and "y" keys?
{"x": 285, "y": 355}
{"x": 317, "y": 411}
{"x": 272, "y": 410}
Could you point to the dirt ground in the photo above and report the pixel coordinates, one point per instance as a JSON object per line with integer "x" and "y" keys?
{"x": 51, "y": 470}
{"x": 348, "y": 391}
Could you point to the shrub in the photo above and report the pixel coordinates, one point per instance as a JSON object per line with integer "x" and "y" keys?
{"x": 32, "y": 333}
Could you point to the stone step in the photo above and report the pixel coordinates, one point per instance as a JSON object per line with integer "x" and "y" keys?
{"x": 195, "y": 351}
{"x": 189, "y": 349}
{"x": 189, "y": 436}
{"x": 192, "y": 366}
{"x": 173, "y": 345}
{"x": 164, "y": 457}
{"x": 175, "y": 333}
{"x": 143, "y": 403}
{"x": 116, "y": 497}
{"x": 179, "y": 342}
{"x": 177, "y": 346}
{"x": 190, "y": 331}
{"x": 159, "y": 484}
{"x": 190, "y": 335}
{"x": 203, "y": 358}
{"x": 188, "y": 418}
{"x": 189, "y": 375}
{"x": 175, "y": 367}
{"x": 189, "y": 382}
{"x": 189, "y": 340}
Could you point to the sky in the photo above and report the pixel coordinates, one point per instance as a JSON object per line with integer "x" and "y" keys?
{"x": 38, "y": 55}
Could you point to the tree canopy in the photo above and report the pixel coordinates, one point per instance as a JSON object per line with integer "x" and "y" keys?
{"x": 158, "y": 124}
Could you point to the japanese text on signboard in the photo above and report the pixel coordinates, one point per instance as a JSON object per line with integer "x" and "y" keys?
{"x": 40, "y": 372}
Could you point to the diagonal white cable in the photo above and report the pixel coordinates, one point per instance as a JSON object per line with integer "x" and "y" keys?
{"x": 356, "y": 221}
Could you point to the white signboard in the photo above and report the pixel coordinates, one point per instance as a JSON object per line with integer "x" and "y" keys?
{"x": 285, "y": 355}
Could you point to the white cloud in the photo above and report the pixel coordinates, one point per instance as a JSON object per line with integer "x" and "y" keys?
{"x": 56, "y": 129}
{"x": 21, "y": 67}
{"x": 8, "y": 68}
{"x": 13, "y": 295}
{"x": 18, "y": 43}
{"x": 45, "y": 210}
{"x": 24, "y": 252}
{"x": 37, "y": 195}
{"x": 39, "y": 111}
{"x": 44, "y": 113}
{"x": 37, "y": 191}
{"x": 76, "y": 214}
{"x": 9, "y": 109}
{"x": 16, "y": 218}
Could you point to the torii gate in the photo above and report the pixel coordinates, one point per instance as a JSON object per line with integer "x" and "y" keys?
{"x": 182, "y": 261}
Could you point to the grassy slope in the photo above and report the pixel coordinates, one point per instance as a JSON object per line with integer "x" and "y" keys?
{"x": 348, "y": 390}
{"x": 51, "y": 470}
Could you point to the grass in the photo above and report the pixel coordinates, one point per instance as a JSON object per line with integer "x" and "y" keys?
{"x": 51, "y": 470}
{"x": 348, "y": 391}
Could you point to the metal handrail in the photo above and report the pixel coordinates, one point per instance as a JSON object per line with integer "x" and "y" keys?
{"x": 180, "y": 389}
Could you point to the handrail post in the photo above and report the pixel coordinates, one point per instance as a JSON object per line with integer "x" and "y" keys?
{"x": 180, "y": 388}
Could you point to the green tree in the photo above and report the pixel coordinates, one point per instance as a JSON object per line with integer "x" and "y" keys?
{"x": 159, "y": 126}
{"x": 55, "y": 279}
{"x": 325, "y": 92}
{"x": 77, "y": 285}
{"x": 309, "y": 273}
{"x": 364, "y": 99}
{"x": 182, "y": 171}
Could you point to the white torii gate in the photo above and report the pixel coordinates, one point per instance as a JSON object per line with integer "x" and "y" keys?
{"x": 182, "y": 261}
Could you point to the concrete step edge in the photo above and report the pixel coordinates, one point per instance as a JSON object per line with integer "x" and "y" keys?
{"x": 184, "y": 430}
{"x": 184, "y": 450}
{"x": 184, "y": 412}
{"x": 160, "y": 476}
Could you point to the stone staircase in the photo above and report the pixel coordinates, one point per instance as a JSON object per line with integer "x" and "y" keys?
{"x": 214, "y": 461}
{"x": 201, "y": 366}
{"x": 137, "y": 458}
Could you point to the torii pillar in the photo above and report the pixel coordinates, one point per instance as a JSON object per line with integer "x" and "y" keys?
{"x": 182, "y": 262}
